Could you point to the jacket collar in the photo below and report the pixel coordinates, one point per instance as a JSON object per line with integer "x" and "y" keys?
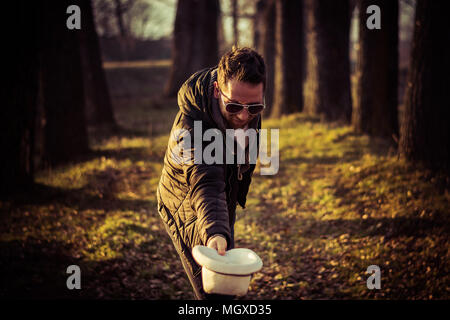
{"x": 196, "y": 100}
{"x": 219, "y": 120}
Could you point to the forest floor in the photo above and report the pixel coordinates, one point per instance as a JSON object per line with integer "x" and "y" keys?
{"x": 339, "y": 203}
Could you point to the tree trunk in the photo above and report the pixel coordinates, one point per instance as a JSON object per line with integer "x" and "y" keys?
{"x": 268, "y": 51}
{"x": 425, "y": 135}
{"x": 222, "y": 45}
{"x": 375, "y": 111}
{"x": 205, "y": 45}
{"x": 288, "y": 86}
{"x": 63, "y": 94}
{"x": 258, "y": 24}
{"x": 234, "y": 14}
{"x": 181, "y": 48}
{"x": 98, "y": 100}
{"x": 118, "y": 10}
{"x": 19, "y": 94}
{"x": 123, "y": 35}
{"x": 195, "y": 44}
{"x": 327, "y": 89}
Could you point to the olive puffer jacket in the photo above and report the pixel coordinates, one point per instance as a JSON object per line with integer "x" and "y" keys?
{"x": 196, "y": 201}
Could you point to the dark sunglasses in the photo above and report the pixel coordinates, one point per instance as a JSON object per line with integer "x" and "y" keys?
{"x": 233, "y": 107}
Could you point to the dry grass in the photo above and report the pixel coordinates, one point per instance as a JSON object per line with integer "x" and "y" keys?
{"x": 339, "y": 203}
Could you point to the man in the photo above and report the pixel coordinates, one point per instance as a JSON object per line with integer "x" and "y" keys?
{"x": 197, "y": 201}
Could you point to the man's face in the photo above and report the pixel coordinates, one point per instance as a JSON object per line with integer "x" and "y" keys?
{"x": 238, "y": 92}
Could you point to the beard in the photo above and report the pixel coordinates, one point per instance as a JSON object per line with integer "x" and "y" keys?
{"x": 232, "y": 120}
{"x": 235, "y": 123}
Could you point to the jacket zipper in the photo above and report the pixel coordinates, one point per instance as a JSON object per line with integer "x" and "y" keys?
{"x": 229, "y": 183}
{"x": 239, "y": 174}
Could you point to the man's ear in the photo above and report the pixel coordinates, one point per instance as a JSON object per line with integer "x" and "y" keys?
{"x": 216, "y": 90}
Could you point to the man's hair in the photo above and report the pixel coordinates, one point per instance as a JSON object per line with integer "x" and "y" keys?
{"x": 241, "y": 64}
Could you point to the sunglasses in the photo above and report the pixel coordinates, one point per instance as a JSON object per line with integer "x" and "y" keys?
{"x": 233, "y": 107}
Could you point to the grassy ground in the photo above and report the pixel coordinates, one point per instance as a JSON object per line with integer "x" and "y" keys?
{"x": 339, "y": 203}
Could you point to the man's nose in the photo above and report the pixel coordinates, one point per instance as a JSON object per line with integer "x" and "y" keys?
{"x": 243, "y": 115}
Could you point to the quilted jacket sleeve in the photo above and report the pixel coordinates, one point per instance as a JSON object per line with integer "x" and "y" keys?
{"x": 207, "y": 189}
{"x": 208, "y": 199}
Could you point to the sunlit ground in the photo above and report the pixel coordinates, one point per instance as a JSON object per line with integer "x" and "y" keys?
{"x": 136, "y": 64}
{"x": 338, "y": 204}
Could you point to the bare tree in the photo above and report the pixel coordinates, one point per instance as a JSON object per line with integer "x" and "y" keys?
{"x": 105, "y": 18}
{"x": 327, "y": 89}
{"x": 125, "y": 39}
{"x": 267, "y": 48}
{"x": 195, "y": 44}
{"x": 141, "y": 19}
{"x": 424, "y": 133}
{"x": 375, "y": 110}
{"x": 96, "y": 88}
{"x": 244, "y": 19}
{"x": 288, "y": 86}
{"x": 258, "y": 24}
{"x": 234, "y": 13}
{"x": 119, "y": 10}
{"x": 19, "y": 94}
{"x": 62, "y": 80}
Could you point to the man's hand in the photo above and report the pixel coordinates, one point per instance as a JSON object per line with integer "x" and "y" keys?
{"x": 219, "y": 243}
